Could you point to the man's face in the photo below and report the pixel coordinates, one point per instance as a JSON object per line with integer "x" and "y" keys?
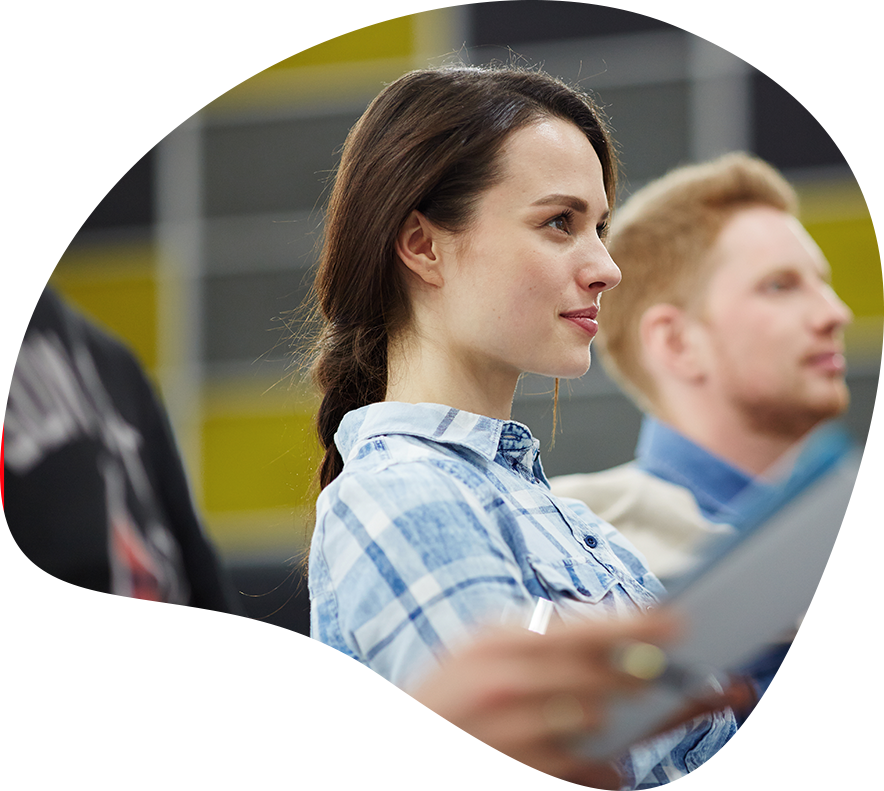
{"x": 771, "y": 326}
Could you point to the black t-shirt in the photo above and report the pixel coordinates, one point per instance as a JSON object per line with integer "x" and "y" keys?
{"x": 95, "y": 491}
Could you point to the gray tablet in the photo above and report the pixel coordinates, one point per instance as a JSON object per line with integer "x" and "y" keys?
{"x": 749, "y": 592}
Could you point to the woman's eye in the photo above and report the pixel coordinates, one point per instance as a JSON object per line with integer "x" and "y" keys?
{"x": 602, "y": 230}
{"x": 561, "y": 222}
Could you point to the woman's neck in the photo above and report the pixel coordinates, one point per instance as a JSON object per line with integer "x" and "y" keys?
{"x": 420, "y": 372}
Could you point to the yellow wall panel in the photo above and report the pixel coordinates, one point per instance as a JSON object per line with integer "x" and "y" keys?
{"x": 118, "y": 290}
{"x": 852, "y": 250}
{"x": 254, "y": 462}
{"x": 239, "y": 38}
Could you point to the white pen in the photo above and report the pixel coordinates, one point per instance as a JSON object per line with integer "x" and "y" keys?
{"x": 543, "y": 611}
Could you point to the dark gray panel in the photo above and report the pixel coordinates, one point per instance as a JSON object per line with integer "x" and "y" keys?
{"x": 594, "y": 432}
{"x": 271, "y": 166}
{"x": 863, "y": 390}
{"x": 246, "y": 317}
{"x": 505, "y": 22}
{"x": 650, "y": 125}
{"x": 599, "y": 64}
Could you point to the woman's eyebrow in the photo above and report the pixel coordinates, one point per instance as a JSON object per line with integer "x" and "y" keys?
{"x": 572, "y": 201}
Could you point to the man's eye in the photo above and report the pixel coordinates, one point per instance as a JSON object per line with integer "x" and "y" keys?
{"x": 781, "y": 284}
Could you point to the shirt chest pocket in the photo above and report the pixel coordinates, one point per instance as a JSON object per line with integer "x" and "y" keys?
{"x": 580, "y": 579}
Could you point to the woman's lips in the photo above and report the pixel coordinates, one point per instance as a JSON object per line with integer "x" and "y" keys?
{"x": 585, "y": 319}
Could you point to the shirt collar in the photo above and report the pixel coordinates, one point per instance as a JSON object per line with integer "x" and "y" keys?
{"x": 438, "y": 423}
{"x": 664, "y": 452}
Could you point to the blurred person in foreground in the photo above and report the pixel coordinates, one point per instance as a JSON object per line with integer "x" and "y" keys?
{"x": 726, "y": 332}
{"x": 111, "y": 589}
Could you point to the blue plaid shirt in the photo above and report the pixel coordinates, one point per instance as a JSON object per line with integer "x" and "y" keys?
{"x": 443, "y": 520}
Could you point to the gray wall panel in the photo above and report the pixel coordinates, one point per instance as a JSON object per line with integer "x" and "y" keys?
{"x": 262, "y": 242}
{"x": 650, "y": 125}
{"x": 272, "y": 166}
{"x": 244, "y": 315}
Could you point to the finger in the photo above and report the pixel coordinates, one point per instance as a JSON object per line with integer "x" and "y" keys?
{"x": 613, "y": 656}
{"x": 594, "y": 639}
{"x": 740, "y": 695}
{"x": 585, "y": 640}
{"x": 513, "y": 668}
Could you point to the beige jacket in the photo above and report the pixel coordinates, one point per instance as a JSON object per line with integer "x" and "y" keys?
{"x": 660, "y": 518}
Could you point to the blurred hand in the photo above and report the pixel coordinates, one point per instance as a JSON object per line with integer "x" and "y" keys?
{"x": 526, "y": 694}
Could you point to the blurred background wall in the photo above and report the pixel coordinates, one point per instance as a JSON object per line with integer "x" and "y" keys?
{"x": 201, "y": 255}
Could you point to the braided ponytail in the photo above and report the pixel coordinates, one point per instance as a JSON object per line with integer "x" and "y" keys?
{"x": 351, "y": 371}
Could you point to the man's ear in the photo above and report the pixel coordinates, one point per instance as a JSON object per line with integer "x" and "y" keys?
{"x": 670, "y": 342}
{"x": 417, "y": 246}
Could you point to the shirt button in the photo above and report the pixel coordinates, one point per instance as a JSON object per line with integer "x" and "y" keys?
{"x": 591, "y": 542}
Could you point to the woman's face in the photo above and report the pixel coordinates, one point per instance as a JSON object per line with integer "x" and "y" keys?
{"x": 521, "y": 285}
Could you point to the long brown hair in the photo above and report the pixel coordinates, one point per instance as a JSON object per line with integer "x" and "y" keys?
{"x": 430, "y": 141}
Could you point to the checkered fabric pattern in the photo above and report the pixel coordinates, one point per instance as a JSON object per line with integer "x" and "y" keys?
{"x": 443, "y": 521}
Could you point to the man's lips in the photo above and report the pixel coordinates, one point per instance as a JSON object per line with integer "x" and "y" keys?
{"x": 584, "y": 318}
{"x": 832, "y": 362}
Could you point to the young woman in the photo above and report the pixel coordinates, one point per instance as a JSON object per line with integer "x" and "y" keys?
{"x": 464, "y": 246}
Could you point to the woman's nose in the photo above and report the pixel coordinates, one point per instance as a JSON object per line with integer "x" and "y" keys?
{"x": 600, "y": 273}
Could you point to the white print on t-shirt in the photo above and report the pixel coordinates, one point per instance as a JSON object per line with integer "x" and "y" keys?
{"x": 51, "y": 397}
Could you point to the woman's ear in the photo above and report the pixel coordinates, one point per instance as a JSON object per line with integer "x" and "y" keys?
{"x": 670, "y": 343}
{"x": 417, "y": 246}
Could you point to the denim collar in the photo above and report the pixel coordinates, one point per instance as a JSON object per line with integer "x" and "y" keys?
{"x": 715, "y": 484}
{"x": 443, "y": 424}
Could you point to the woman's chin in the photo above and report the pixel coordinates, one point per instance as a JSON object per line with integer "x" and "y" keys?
{"x": 571, "y": 371}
